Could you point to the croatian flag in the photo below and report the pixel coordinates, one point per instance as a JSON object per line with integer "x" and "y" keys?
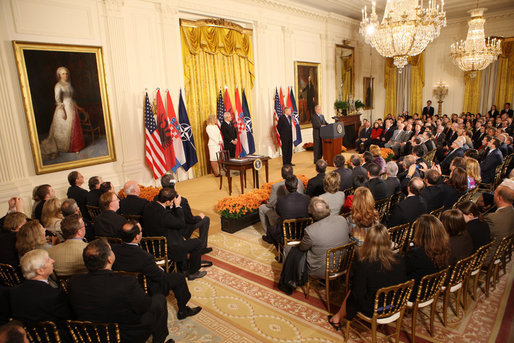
{"x": 187, "y": 135}
{"x": 163, "y": 127}
{"x": 241, "y": 127}
{"x": 230, "y": 109}
{"x": 178, "y": 147}
{"x": 248, "y": 123}
{"x": 276, "y": 114}
{"x": 297, "y": 132}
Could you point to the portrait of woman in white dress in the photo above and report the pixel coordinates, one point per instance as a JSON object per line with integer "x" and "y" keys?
{"x": 215, "y": 143}
{"x": 65, "y": 133}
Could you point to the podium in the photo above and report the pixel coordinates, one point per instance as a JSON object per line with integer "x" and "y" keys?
{"x": 332, "y": 137}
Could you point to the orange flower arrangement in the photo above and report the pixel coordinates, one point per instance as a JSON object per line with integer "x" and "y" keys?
{"x": 387, "y": 154}
{"x": 344, "y": 149}
{"x": 147, "y": 193}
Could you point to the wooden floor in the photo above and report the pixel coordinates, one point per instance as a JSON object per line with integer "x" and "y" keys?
{"x": 203, "y": 193}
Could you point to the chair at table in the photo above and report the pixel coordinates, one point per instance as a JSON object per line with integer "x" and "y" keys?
{"x": 292, "y": 230}
{"x": 493, "y": 268}
{"x": 222, "y": 157}
{"x": 89, "y": 332}
{"x": 42, "y": 332}
{"x": 339, "y": 262}
{"x": 428, "y": 292}
{"x": 9, "y": 277}
{"x": 390, "y": 304}
{"x": 474, "y": 274}
{"x": 158, "y": 247}
{"x": 400, "y": 237}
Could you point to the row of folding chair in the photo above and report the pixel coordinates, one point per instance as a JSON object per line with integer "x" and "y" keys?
{"x": 80, "y": 332}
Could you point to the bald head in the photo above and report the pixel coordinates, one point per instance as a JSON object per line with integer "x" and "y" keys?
{"x": 131, "y": 188}
{"x": 416, "y": 185}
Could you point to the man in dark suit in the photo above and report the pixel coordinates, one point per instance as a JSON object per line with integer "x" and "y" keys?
{"x": 93, "y": 196}
{"x": 132, "y": 204}
{"x": 315, "y": 184}
{"x": 428, "y": 143}
{"x": 12, "y": 223}
{"x": 357, "y": 169}
{"x": 170, "y": 223}
{"x": 131, "y": 258}
{"x": 103, "y": 296}
{"x": 291, "y": 206}
{"x": 365, "y": 135}
{"x": 77, "y": 193}
{"x": 285, "y": 130}
{"x": 478, "y": 136}
{"x": 507, "y": 109}
{"x": 452, "y": 134}
{"x": 432, "y": 193}
{"x": 35, "y": 300}
{"x": 409, "y": 209}
{"x": 375, "y": 184}
{"x": 410, "y": 171}
{"x": 229, "y": 133}
{"x": 317, "y": 120}
{"x": 456, "y": 151}
{"x": 108, "y": 223}
{"x": 345, "y": 173}
{"x": 493, "y": 159}
{"x": 387, "y": 133}
{"x": 428, "y": 109}
{"x": 392, "y": 182}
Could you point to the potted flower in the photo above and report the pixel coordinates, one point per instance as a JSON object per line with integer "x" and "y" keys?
{"x": 341, "y": 107}
{"x": 359, "y": 104}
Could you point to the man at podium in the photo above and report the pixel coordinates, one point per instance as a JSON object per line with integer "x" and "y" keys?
{"x": 317, "y": 120}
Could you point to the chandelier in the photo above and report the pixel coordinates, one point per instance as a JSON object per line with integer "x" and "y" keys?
{"x": 477, "y": 52}
{"x": 406, "y": 28}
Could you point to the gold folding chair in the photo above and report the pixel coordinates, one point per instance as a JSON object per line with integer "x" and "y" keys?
{"x": 338, "y": 265}
{"x": 93, "y": 211}
{"x": 493, "y": 268}
{"x": 382, "y": 206}
{"x": 390, "y": 304}
{"x": 429, "y": 289}
{"x": 293, "y": 230}
{"x": 461, "y": 199}
{"x": 42, "y": 332}
{"x": 158, "y": 247}
{"x": 141, "y": 278}
{"x": 89, "y": 332}
{"x": 437, "y": 212}
{"x": 400, "y": 237}
{"x": 474, "y": 274}
{"x": 9, "y": 277}
{"x": 429, "y": 156}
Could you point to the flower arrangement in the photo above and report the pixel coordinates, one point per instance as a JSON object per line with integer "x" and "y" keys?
{"x": 147, "y": 193}
{"x": 387, "y": 154}
{"x": 308, "y": 146}
{"x": 344, "y": 149}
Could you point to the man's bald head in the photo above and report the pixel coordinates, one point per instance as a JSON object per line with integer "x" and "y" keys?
{"x": 131, "y": 188}
{"x": 416, "y": 185}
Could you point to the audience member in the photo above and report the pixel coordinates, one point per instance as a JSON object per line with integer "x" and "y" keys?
{"x": 345, "y": 173}
{"x": 51, "y": 217}
{"x": 432, "y": 193}
{"x": 93, "y": 196}
{"x": 489, "y": 163}
{"x": 357, "y": 169}
{"x": 132, "y": 203}
{"x": 358, "y": 181}
{"x": 333, "y": 196}
{"x": 12, "y": 224}
{"x": 456, "y": 151}
{"x": 364, "y": 135}
{"x": 377, "y": 158}
{"x": 363, "y": 214}
{"x": 315, "y": 184}
{"x": 478, "y": 230}
{"x": 454, "y": 188}
{"x": 376, "y": 185}
{"x": 69, "y": 207}
{"x": 75, "y": 192}
{"x": 31, "y": 236}
{"x": 391, "y": 181}
{"x": 471, "y": 153}
{"x": 409, "y": 209}
{"x": 43, "y": 193}
{"x": 108, "y": 223}
{"x": 473, "y": 172}
{"x": 461, "y": 245}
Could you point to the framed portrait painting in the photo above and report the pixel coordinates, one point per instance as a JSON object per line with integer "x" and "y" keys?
{"x": 369, "y": 92}
{"x": 307, "y": 81}
{"x": 66, "y": 105}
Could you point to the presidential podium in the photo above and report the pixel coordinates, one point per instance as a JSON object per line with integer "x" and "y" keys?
{"x": 332, "y": 137}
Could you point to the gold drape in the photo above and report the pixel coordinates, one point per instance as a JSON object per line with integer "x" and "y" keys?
{"x": 390, "y": 86}
{"x": 213, "y": 57}
{"x": 505, "y": 80}
{"x": 417, "y": 82}
{"x": 472, "y": 92}
{"x": 347, "y": 77}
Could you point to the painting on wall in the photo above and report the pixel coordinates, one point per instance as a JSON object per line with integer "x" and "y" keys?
{"x": 66, "y": 105}
{"x": 368, "y": 91}
{"x": 307, "y": 81}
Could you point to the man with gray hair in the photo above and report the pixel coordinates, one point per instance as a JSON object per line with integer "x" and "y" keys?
{"x": 132, "y": 204}
{"x": 229, "y": 132}
{"x": 35, "y": 300}
{"x": 392, "y": 182}
{"x": 69, "y": 207}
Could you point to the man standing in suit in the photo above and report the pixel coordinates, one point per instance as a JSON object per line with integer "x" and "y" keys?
{"x": 132, "y": 204}
{"x": 315, "y": 184}
{"x": 345, "y": 173}
{"x": 285, "y": 130}
{"x": 375, "y": 184}
{"x": 68, "y": 255}
{"x": 409, "y": 209}
{"x": 507, "y": 109}
{"x": 108, "y": 223}
{"x": 493, "y": 159}
{"x": 457, "y": 151}
{"x": 76, "y": 180}
{"x": 317, "y": 120}
{"x": 103, "y": 296}
{"x": 229, "y": 133}
{"x": 428, "y": 109}
{"x": 130, "y": 257}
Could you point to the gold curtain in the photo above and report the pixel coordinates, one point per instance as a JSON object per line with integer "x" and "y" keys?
{"x": 505, "y": 83}
{"x": 472, "y": 92}
{"x": 215, "y": 54}
{"x": 347, "y": 76}
{"x": 417, "y": 82}
{"x": 390, "y": 86}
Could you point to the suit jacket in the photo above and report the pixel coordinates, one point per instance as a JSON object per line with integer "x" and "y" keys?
{"x": 387, "y": 134}
{"x": 449, "y": 196}
{"x": 393, "y": 185}
{"x": 488, "y": 166}
{"x": 37, "y": 301}
{"x": 428, "y": 110}
{"x": 408, "y": 210}
{"x": 445, "y": 164}
{"x": 346, "y": 178}
{"x": 509, "y": 112}
{"x": 397, "y": 136}
{"x": 440, "y": 140}
{"x": 450, "y": 137}
{"x": 80, "y": 196}
{"x": 479, "y": 233}
{"x": 161, "y": 222}
{"x": 430, "y": 145}
{"x": 359, "y": 170}
{"x": 133, "y": 204}
{"x": 365, "y": 132}
{"x": 293, "y": 205}
{"x": 8, "y": 252}
{"x": 229, "y": 133}
{"x": 477, "y": 139}
{"x": 93, "y": 196}
{"x": 284, "y": 129}
{"x": 279, "y": 190}
{"x": 501, "y": 224}
{"x": 378, "y": 188}
{"x": 104, "y": 296}
{"x": 327, "y": 233}
{"x": 316, "y": 125}
{"x": 68, "y": 257}
{"x": 432, "y": 196}
{"x": 315, "y": 185}
{"x": 108, "y": 224}
{"x": 504, "y": 150}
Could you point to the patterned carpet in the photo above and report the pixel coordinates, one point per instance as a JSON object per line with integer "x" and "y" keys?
{"x": 242, "y": 304}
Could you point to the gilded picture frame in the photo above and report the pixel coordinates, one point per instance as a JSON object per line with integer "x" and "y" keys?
{"x": 369, "y": 92}
{"x": 66, "y": 105}
{"x": 307, "y": 77}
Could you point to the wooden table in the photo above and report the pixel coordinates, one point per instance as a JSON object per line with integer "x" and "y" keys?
{"x": 242, "y": 164}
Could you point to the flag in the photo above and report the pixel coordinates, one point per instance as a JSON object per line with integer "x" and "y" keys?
{"x": 277, "y": 113}
{"x": 163, "y": 127}
{"x": 187, "y": 135}
{"x": 248, "y": 123}
{"x": 281, "y": 100}
{"x": 178, "y": 147}
{"x": 228, "y": 108}
{"x": 154, "y": 154}
{"x": 220, "y": 109}
{"x": 290, "y": 104}
{"x": 241, "y": 127}
{"x": 297, "y": 138}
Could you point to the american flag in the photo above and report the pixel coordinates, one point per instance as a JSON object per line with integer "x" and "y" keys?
{"x": 277, "y": 114}
{"x": 154, "y": 154}
{"x": 220, "y": 110}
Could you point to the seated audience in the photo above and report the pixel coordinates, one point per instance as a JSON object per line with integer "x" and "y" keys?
{"x": 363, "y": 214}
{"x": 12, "y": 224}
{"x": 333, "y": 196}
{"x": 43, "y": 193}
{"x": 31, "y": 236}
{"x": 131, "y": 258}
{"x": 368, "y": 158}
{"x": 315, "y": 184}
{"x": 409, "y": 209}
{"x": 364, "y": 135}
{"x": 478, "y": 230}
{"x": 345, "y": 173}
{"x": 490, "y": 161}
{"x": 456, "y": 151}
{"x": 325, "y": 233}
{"x": 473, "y": 172}
{"x": 461, "y": 245}
{"x": 471, "y": 153}
{"x": 376, "y": 185}
{"x": 377, "y": 158}
{"x": 357, "y": 169}
{"x": 391, "y": 181}
{"x": 433, "y": 192}
{"x": 108, "y": 223}
{"x": 77, "y": 193}
{"x": 411, "y": 171}
{"x": 69, "y": 207}
{"x": 359, "y": 181}
{"x": 103, "y": 296}
{"x": 454, "y": 188}
{"x": 107, "y": 186}
{"x": 51, "y": 217}
{"x": 68, "y": 255}
{"x": 93, "y": 196}
{"x": 376, "y": 266}
{"x": 132, "y": 203}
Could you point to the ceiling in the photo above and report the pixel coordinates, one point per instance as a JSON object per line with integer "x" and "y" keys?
{"x": 454, "y": 8}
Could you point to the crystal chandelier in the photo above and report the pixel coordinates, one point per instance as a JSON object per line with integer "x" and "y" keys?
{"x": 477, "y": 52}
{"x": 406, "y": 28}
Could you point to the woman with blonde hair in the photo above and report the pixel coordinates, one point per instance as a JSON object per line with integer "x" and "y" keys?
{"x": 333, "y": 196}
{"x": 363, "y": 214}
{"x": 215, "y": 143}
{"x": 31, "y": 236}
{"x": 473, "y": 171}
{"x": 377, "y": 266}
{"x": 377, "y": 157}
{"x": 51, "y": 217}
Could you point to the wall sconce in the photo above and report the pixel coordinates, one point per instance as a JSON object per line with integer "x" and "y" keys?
{"x": 440, "y": 92}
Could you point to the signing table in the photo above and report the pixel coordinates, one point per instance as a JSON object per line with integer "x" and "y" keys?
{"x": 241, "y": 165}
